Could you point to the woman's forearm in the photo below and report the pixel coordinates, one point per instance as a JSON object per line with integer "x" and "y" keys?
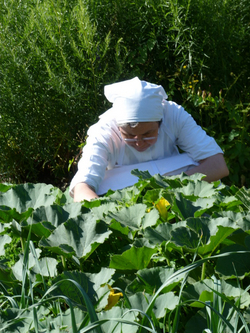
{"x": 214, "y": 167}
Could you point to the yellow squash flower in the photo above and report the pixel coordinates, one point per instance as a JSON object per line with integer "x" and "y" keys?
{"x": 162, "y": 206}
{"x": 113, "y": 298}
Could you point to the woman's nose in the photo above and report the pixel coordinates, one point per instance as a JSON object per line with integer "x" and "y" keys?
{"x": 139, "y": 143}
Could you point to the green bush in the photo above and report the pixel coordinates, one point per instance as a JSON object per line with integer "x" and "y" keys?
{"x": 56, "y": 57}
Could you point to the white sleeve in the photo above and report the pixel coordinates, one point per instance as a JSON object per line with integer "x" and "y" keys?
{"x": 99, "y": 153}
{"x": 189, "y": 136}
{"x": 91, "y": 167}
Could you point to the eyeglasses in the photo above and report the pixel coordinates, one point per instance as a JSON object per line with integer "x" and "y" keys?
{"x": 142, "y": 139}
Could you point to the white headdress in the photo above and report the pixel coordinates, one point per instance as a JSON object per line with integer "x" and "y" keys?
{"x": 136, "y": 101}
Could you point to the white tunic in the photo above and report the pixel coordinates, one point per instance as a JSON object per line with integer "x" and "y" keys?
{"x": 105, "y": 148}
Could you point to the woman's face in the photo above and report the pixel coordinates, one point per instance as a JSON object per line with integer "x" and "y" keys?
{"x": 142, "y": 136}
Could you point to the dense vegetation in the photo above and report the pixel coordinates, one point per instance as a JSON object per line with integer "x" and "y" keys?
{"x": 169, "y": 254}
{"x": 165, "y": 255}
{"x": 56, "y": 57}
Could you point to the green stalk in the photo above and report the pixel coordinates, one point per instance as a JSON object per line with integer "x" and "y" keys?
{"x": 22, "y": 243}
{"x": 203, "y": 271}
{"x": 64, "y": 263}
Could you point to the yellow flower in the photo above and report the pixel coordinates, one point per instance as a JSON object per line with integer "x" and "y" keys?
{"x": 113, "y": 298}
{"x": 162, "y": 206}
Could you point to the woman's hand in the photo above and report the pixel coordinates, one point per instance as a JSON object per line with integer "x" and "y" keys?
{"x": 83, "y": 191}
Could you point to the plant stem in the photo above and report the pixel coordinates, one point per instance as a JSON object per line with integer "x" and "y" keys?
{"x": 203, "y": 271}
{"x": 64, "y": 263}
{"x": 22, "y": 243}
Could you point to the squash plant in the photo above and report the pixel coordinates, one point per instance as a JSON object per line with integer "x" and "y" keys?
{"x": 169, "y": 254}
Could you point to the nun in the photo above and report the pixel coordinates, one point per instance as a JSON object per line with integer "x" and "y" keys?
{"x": 143, "y": 126}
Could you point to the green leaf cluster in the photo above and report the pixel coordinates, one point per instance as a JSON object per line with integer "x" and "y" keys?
{"x": 175, "y": 248}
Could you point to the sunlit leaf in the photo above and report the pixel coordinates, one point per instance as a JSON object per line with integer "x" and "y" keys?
{"x": 132, "y": 259}
{"x": 115, "y": 326}
{"x": 130, "y": 217}
{"x": 79, "y": 236}
{"x": 22, "y": 197}
{"x": 163, "y": 303}
{"x": 4, "y": 239}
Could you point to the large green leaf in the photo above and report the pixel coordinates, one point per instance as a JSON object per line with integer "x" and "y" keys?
{"x": 118, "y": 227}
{"x": 152, "y": 196}
{"x": 46, "y": 218}
{"x": 238, "y": 218}
{"x": 156, "y": 181}
{"x": 151, "y": 279}
{"x": 101, "y": 281}
{"x": 159, "y": 235}
{"x": 162, "y": 232}
{"x": 199, "y": 189}
{"x": 183, "y": 207}
{"x": 101, "y": 211}
{"x": 4, "y": 239}
{"x": 132, "y": 259}
{"x": 93, "y": 284}
{"x": 114, "y": 320}
{"x": 242, "y": 221}
{"x": 6, "y": 275}
{"x": 151, "y": 218}
{"x": 203, "y": 234}
{"x": 128, "y": 195}
{"x": 45, "y": 266}
{"x": 130, "y": 217}
{"x": 15, "y": 320}
{"x": 184, "y": 237}
{"x": 206, "y": 205}
{"x": 202, "y": 290}
{"x": 22, "y": 197}
{"x": 229, "y": 203}
{"x": 79, "y": 236}
{"x": 163, "y": 303}
{"x": 235, "y": 265}
{"x": 212, "y": 232}
{"x": 62, "y": 198}
{"x": 62, "y": 322}
{"x": 8, "y": 214}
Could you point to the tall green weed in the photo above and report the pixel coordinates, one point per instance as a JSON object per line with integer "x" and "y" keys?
{"x": 227, "y": 122}
{"x": 52, "y": 70}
